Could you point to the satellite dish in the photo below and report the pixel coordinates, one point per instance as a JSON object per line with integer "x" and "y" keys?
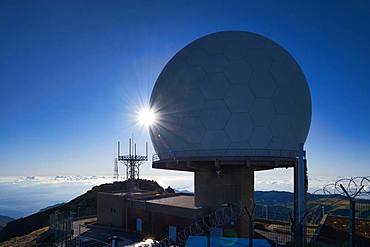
{"x": 230, "y": 93}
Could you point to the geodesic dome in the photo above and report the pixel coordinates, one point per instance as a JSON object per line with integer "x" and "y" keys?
{"x": 230, "y": 93}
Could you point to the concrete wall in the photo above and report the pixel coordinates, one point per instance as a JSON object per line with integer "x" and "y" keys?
{"x": 111, "y": 210}
{"x": 234, "y": 184}
{"x": 155, "y": 224}
{"x": 122, "y": 212}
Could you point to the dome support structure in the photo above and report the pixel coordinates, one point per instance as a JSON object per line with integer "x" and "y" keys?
{"x": 300, "y": 194}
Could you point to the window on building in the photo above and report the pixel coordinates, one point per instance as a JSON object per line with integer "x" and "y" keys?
{"x": 216, "y": 232}
{"x": 172, "y": 233}
{"x": 139, "y": 225}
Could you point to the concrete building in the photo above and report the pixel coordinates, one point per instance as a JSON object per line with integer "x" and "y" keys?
{"x": 151, "y": 214}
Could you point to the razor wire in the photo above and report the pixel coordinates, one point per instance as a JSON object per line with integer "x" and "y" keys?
{"x": 352, "y": 186}
{"x": 222, "y": 216}
{"x": 331, "y": 195}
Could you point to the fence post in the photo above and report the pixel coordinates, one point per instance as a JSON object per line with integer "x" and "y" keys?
{"x": 352, "y": 215}
{"x": 352, "y": 222}
{"x": 114, "y": 241}
{"x": 292, "y": 228}
{"x": 251, "y": 222}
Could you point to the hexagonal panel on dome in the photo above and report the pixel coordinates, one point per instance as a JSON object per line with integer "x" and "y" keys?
{"x": 239, "y": 98}
{"x": 215, "y": 114}
{"x": 283, "y": 101}
{"x": 262, "y": 84}
{"x": 164, "y": 136}
{"x": 196, "y": 57}
{"x": 215, "y": 139}
{"x": 199, "y": 58}
{"x": 193, "y": 78}
{"x": 215, "y": 63}
{"x": 301, "y": 124}
{"x": 260, "y": 138}
{"x": 235, "y": 51}
{"x": 253, "y": 41}
{"x": 214, "y": 45}
{"x": 262, "y": 112}
{"x": 281, "y": 72}
{"x": 288, "y": 141}
{"x": 197, "y": 129}
{"x": 279, "y": 125}
{"x": 192, "y": 107}
{"x": 259, "y": 59}
{"x": 215, "y": 86}
{"x": 238, "y": 72}
{"x": 239, "y": 146}
{"x": 239, "y": 127}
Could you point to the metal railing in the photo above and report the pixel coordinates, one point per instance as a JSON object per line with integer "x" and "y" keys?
{"x": 204, "y": 153}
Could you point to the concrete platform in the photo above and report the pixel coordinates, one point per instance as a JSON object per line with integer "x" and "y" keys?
{"x": 198, "y": 163}
{"x": 178, "y": 200}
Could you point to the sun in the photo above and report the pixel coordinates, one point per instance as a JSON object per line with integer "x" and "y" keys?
{"x": 146, "y": 117}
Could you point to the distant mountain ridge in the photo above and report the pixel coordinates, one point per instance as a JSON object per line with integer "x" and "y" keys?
{"x": 51, "y": 207}
{"x": 85, "y": 204}
{"x": 4, "y": 220}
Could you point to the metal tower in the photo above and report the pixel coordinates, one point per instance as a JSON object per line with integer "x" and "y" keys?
{"x": 132, "y": 161}
{"x": 115, "y": 174}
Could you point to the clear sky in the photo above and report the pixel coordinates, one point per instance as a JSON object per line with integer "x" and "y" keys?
{"x": 72, "y": 74}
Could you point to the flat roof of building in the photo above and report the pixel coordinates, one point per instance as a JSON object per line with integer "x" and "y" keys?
{"x": 131, "y": 194}
{"x": 176, "y": 200}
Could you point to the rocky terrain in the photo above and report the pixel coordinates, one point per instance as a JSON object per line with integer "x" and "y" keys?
{"x": 82, "y": 205}
{"x": 4, "y": 220}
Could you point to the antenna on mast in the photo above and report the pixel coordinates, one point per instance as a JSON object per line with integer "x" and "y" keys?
{"x": 129, "y": 146}
{"x": 115, "y": 174}
{"x": 146, "y": 149}
{"x": 132, "y": 161}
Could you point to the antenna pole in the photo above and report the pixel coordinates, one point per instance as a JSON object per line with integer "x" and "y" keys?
{"x": 115, "y": 173}
{"x": 146, "y": 149}
{"x": 129, "y": 146}
{"x": 118, "y": 149}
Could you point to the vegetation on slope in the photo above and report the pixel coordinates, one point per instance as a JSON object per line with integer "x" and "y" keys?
{"x": 84, "y": 205}
{"x": 4, "y": 220}
{"x": 36, "y": 238}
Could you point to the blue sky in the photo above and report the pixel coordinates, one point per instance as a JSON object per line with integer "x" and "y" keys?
{"x": 73, "y": 73}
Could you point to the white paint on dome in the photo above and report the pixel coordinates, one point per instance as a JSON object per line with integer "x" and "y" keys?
{"x": 230, "y": 91}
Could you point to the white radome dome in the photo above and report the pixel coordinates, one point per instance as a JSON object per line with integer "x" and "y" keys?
{"x": 230, "y": 93}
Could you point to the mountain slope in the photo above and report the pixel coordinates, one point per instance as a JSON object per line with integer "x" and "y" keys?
{"x": 4, "y": 220}
{"x": 37, "y": 238}
{"x": 84, "y": 204}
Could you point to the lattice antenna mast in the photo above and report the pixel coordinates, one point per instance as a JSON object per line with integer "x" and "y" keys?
{"x": 132, "y": 161}
{"x": 115, "y": 174}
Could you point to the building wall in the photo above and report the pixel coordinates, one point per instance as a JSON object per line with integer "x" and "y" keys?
{"x": 155, "y": 225}
{"x": 121, "y": 212}
{"x": 234, "y": 184}
{"x": 111, "y": 210}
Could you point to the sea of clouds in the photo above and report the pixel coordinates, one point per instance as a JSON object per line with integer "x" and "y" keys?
{"x": 24, "y": 195}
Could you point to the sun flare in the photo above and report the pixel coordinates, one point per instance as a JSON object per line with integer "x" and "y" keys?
{"x": 146, "y": 117}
